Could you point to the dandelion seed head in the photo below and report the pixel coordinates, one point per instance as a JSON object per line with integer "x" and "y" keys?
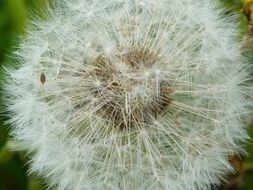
{"x": 130, "y": 94}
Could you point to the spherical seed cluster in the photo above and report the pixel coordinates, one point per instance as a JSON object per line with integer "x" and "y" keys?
{"x": 130, "y": 94}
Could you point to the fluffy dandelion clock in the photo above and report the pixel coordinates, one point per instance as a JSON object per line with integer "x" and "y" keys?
{"x": 130, "y": 94}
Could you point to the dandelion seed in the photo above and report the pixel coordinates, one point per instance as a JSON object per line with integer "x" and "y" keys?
{"x": 42, "y": 78}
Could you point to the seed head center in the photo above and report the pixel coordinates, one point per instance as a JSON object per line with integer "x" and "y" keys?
{"x": 128, "y": 88}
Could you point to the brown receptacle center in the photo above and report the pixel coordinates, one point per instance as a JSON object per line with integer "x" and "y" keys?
{"x": 127, "y": 91}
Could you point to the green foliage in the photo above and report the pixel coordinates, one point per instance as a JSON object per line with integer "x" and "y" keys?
{"x": 234, "y": 4}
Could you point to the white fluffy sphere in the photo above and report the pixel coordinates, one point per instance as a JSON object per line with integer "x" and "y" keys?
{"x": 130, "y": 94}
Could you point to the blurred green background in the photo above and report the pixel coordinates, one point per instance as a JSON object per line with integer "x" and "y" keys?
{"x": 13, "y": 165}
